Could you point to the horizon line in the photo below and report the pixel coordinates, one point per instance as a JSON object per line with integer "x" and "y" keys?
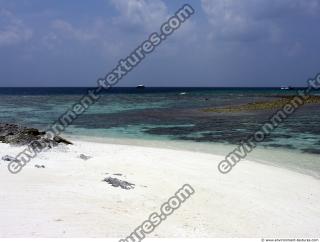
{"x": 161, "y": 87}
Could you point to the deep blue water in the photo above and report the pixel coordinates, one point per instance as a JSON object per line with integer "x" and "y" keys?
{"x": 122, "y": 90}
{"x": 163, "y": 113}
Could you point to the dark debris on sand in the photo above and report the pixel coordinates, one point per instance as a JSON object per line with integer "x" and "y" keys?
{"x": 115, "y": 182}
{"x": 84, "y": 157}
{"x": 9, "y": 158}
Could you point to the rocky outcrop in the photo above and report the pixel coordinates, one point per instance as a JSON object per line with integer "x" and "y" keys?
{"x": 18, "y": 135}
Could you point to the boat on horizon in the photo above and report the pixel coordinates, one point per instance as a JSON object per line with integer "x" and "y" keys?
{"x": 140, "y": 86}
{"x": 286, "y": 88}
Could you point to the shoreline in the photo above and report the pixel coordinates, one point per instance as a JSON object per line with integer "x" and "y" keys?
{"x": 68, "y": 198}
{"x": 277, "y": 157}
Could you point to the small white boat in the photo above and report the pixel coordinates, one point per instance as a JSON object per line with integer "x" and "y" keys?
{"x": 140, "y": 86}
{"x": 182, "y": 93}
{"x": 286, "y": 88}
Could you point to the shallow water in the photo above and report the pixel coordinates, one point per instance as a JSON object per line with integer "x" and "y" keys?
{"x": 164, "y": 114}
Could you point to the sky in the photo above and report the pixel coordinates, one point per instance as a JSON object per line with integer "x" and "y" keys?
{"x": 226, "y": 43}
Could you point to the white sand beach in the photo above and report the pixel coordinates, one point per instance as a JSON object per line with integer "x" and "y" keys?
{"x": 68, "y": 198}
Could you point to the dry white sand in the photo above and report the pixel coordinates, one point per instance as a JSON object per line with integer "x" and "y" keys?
{"x": 69, "y": 199}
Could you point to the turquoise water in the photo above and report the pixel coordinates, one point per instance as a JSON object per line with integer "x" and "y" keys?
{"x": 164, "y": 114}
{"x": 163, "y": 117}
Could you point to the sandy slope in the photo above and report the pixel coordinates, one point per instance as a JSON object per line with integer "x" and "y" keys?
{"x": 69, "y": 199}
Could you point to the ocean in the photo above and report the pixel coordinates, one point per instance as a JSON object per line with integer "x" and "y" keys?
{"x": 167, "y": 114}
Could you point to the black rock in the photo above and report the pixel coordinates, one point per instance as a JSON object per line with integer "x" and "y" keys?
{"x": 9, "y": 158}
{"x": 84, "y": 157}
{"x": 117, "y": 174}
{"x": 115, "y": 182}
{"x": 59, "y": 140}
{"x": 39, "y": 166}
{"x": 19, "y": 135}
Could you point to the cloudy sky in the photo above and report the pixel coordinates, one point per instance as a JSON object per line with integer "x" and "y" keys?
{"x": 225, "y": 43}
